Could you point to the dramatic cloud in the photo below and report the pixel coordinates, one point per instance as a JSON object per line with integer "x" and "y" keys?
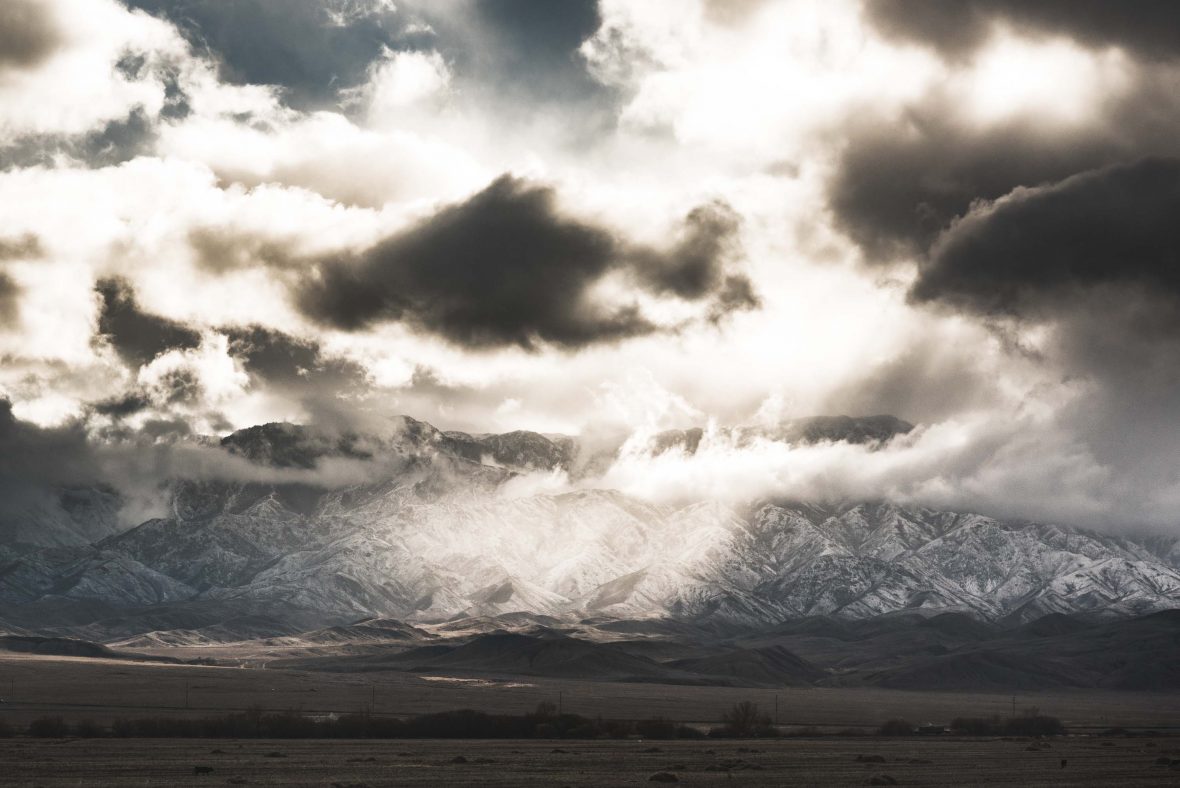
{"x": 1114, "y": 227}
{"x": 506, "y": 267}
{"x": 958, "y": 28}
{"x": 901, "y": 181}
{"x": 137, "y": 335}
{"x": 897, "y": 188}
{"x": 223, "y": 214}
{"x": 282, "y": 358}
{"x": 123, "y": 406}
{"x": 38, "y": 455}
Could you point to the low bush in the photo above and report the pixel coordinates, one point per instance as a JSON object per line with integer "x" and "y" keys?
{"x": 657, "y": 728}
{"x": 977, "y": 726}
{"x": 1028, "y": 725}
{"x": 1034, "y": 725}
{"x": 89, "y": 729}
{"x": 459, "y": 724}
{"x": 896, "y": 727}
{"x": 744, "y": 721}
{"x": 49, "y": 728}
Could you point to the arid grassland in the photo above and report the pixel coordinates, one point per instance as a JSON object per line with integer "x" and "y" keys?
{"x": 102, "y": 690}
{"x": 1089, "y": 761}
{"x": 105, "y": 690}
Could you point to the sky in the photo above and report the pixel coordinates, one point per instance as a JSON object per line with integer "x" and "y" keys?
{"x": 599, "y": 218}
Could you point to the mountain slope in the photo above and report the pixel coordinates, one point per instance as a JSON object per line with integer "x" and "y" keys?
{"x": 437, "y": 533}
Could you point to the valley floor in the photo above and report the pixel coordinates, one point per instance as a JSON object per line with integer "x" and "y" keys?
{"x": 1090, "y": 761}
{"x": 102, "y": 689}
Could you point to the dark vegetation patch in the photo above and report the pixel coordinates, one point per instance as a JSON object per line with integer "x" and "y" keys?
{"x": 743, "y": 721}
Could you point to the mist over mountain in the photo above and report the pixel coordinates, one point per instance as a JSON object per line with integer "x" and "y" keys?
{"x": 452, "y": 525}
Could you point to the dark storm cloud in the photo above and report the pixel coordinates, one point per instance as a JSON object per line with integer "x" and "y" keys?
{"x": 57, "y": 455}
{"x": 692, "y": 267}
{"x": 28, "y": 33}
{"x": 896, "y": 188}
{"x": 1111, "y": 227}
{"x": 1148, "y": 28}
{"x": 287, "y": 360}
{"x": 1096, "y": 258}
{"x": 900, "y": 181}
{"x": 136, "y": 335}
{"x": 312, "y": 48}
{"x": 328, "y": 388}
{"x": 120, "y": 407}
{"x": 506, "y": 268}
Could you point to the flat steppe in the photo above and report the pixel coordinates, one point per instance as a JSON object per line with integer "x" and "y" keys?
{"x": 102, "y": 690}
{"x": 1090, "y": 761}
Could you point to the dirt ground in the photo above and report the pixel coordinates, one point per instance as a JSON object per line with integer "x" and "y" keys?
{"x": 101, "y": 690}
{"x": 805, "y": 762}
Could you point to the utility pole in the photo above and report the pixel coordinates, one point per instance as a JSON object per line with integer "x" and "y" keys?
{"x": 559, "y": 699}
{"x": 372, "y": 697}
{"x": 776, "y": 708}
{"x": 186, "y": 694}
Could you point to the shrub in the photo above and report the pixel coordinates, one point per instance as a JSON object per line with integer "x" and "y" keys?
{"x": 656, "y": 728}
{"x": 744, "y": 719}
{"x": 89, "y": 729}
{"x": 461, "y": 724}
{"x": 6, "y": 730}
{"x": 1039, "y": 725}
{"x": 977, "y": 726}
{"x": 896, "y": 727}
{"x": 49, "y": 728}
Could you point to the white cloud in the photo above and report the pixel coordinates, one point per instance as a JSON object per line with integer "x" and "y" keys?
{"x": 78, "y": 86}
{"x": 749, "y": 111}
{"x": 398, "y": 83}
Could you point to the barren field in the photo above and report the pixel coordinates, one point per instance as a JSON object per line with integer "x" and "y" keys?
{"x": 1089, "y": 761}
{"x": 101, "y": 690}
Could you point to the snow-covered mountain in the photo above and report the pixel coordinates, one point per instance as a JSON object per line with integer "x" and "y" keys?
{"x": 443, "y": 534}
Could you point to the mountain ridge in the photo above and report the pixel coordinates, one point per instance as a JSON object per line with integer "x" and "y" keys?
{"x": 433, "y": 536}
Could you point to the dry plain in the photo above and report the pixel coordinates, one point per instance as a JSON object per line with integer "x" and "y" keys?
{"x": 102, "y": 690}
{"x": 1090, "y": 761}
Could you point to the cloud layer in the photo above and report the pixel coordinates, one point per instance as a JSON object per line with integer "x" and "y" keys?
{"x": 607, "y": 220}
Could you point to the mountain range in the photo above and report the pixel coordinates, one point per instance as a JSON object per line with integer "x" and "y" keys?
{"x": 433, "y": 533}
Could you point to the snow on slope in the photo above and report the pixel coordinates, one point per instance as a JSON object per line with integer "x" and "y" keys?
{"x": 436, "y": 539}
